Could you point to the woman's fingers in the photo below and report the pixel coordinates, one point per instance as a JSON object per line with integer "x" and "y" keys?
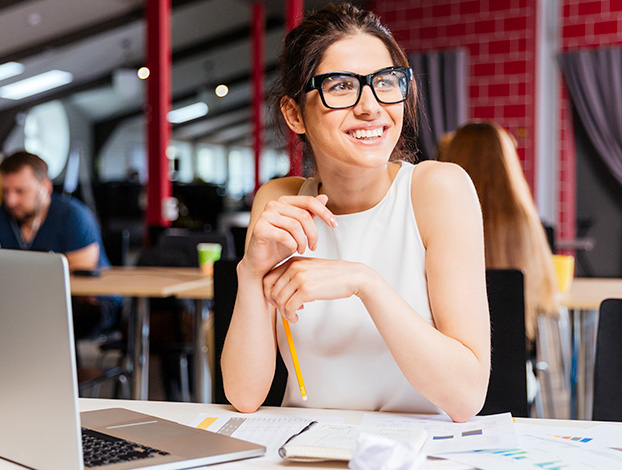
{"x": 298, "y": 222}
{"x": 284, "y": 230}
{"x": 281, "y": 292}
{"x": 295, "y": 214}
{"x": 314, "y": 205}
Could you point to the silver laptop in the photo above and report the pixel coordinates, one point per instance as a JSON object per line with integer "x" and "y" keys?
{"x": 40, "y": 425}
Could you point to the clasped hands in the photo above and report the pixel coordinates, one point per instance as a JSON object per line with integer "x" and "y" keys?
{"x": 285, "y": 228}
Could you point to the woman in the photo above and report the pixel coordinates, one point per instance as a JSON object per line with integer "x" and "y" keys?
{"x": 513, "y": 231}
{"x": 377, "y": 264}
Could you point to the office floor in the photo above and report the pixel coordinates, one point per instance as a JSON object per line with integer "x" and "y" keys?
{"x": 90, "y": 356}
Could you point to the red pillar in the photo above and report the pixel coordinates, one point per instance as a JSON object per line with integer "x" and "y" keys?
{"x": 158, "y": 104}
{"x": 293, "y": 16}
{"x": 258, "y": 66}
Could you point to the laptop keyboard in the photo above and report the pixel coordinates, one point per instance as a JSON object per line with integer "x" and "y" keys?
{"x": 101, "y": 449}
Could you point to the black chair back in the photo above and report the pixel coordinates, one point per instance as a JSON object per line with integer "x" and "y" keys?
{"x": 507, "y": 390}
{"x": 225, "y": 291}
{"x": 607, "y": 405}
{"x": 187, "y": 241}
{"x": 117, "y": 246}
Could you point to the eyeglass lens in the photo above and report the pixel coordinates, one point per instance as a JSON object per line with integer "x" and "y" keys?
{"x": 343, "y": 91}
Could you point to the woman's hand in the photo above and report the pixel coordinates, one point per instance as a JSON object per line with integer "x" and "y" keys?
{"x": 285, "y": 227}
{"x": 301, "y": 280}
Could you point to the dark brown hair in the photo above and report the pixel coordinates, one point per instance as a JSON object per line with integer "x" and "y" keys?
{"x": 18, "y": 160}
{"x": 304, "y": 47}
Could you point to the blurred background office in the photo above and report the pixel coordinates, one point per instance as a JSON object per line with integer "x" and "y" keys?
{"x": 83, "y": 108}
{"x": 162, "y": 130}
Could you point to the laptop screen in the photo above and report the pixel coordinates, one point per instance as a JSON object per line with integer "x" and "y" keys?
{"x": 38, "y": 401}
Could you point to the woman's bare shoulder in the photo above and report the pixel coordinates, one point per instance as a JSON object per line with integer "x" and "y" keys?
{"x": 274, "y": 189}
{"x": 433, "y": 178}
{"x": 288, "y": 185}
{"x": 442, "y": 195}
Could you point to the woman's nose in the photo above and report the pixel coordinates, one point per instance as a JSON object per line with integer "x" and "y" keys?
{"x": 368, "y": 104}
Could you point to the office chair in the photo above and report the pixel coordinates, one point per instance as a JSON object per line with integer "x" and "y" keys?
{"x": 225, "y": 291}
{"x": 507, "y": 389}
{"x": 117, "y": 246}
{"x": 187, "y": 241}
{"x": 607, "y": 405}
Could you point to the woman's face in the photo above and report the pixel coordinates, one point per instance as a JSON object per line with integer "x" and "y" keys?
{"x": 335, "y": 135}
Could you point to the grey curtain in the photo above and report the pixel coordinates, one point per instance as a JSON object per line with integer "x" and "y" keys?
{"x": 441, "y": 78}
{"x": 594, "y": 81}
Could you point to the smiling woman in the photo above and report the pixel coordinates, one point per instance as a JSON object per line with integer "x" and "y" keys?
{"x": 377, "y": 263}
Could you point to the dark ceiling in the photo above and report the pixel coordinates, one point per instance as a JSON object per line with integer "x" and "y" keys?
{"x": 101, "y": 43}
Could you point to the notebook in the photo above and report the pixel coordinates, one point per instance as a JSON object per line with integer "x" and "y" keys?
{"x": 329, "y": 441}
{"x": 40, "y": 425}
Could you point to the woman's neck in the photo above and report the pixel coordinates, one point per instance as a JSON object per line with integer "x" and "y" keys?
{"x": 356, "y": 191}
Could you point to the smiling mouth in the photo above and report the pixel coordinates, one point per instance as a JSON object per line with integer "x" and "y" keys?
{"x": 364, "y": 134}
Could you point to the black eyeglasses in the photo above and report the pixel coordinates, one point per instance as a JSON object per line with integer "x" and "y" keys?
{"x": 339, "y": 90}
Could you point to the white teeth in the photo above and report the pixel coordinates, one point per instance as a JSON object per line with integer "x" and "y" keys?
{"x": 367, "y": 134}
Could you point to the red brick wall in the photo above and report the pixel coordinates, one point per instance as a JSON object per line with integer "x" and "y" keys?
{"x": 584, "y": 24}
{"x": 589, "y": 23}
{"x": 501, "y": 38}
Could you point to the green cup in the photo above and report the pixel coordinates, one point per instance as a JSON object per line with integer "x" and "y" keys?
{"x": 209, "y": 253}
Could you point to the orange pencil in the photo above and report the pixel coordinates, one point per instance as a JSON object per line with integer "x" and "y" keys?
{"x": 292, "y": 350}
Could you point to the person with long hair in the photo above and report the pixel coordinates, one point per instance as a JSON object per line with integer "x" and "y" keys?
{"x": 377, "y": 263}
{"x": 513, "y": 233}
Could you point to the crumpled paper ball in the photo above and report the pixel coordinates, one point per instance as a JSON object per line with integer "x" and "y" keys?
{"x": 373, "y": 452}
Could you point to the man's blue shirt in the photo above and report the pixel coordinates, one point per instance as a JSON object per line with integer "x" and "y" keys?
{"x": 68, "y": 226}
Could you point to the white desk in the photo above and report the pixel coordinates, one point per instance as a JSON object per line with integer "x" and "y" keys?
{"x": 186, "y": 412}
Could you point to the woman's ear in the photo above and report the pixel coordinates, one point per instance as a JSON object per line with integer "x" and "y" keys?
{"x": 292, "y": 115}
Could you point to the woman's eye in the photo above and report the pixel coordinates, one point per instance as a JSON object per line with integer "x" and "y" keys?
{"x": 340, "y": 86}
{"x": 386, "y": 82}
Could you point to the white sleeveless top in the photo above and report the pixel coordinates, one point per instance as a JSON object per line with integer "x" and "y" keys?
{"x": 344, "y": 361}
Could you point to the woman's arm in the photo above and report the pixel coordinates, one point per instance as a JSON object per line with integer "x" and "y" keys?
{"x": 281, "y": 224}
{"x": 449, "y": 362}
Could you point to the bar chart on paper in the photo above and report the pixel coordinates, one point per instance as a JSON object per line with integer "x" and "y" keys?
{"x": 547, "y": 448}
{"x": 482, "y": 432}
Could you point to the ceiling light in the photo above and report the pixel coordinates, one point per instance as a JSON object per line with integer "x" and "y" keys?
{"x": 34, "y": 19}
{"x": 10, "y": 69}
{"x": 222, "y": 90}
{"x": 143, "y": 73}
{"x": 37, "y": 84}
{"x": 188, "y": 113}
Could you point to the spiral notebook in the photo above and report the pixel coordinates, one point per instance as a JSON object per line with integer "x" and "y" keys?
{"x": 323, "y": 442}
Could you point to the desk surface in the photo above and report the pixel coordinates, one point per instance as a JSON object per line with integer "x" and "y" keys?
{"x": 587, "y": 293}
{"x": 144, "y": 282}
{"x": 186, "y": 412}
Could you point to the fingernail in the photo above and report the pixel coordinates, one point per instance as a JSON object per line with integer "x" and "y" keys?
{"x": 333, "y": 222}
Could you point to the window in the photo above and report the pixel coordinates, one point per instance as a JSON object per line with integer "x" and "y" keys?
{"x": 46, "y": 133}
{"x": 212, "y": 163}
{"x": 241, "y": 172}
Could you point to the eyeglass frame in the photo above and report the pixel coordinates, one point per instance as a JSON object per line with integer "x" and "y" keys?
{"x": 316, "y": 84}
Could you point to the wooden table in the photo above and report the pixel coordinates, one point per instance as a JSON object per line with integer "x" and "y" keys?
{"x": 142, "y": 283}
{"x": 587, "y": 293}
{"x": 583, "y": 301}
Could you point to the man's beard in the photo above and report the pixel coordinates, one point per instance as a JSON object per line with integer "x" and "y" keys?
{"x": 25, "y": 218}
